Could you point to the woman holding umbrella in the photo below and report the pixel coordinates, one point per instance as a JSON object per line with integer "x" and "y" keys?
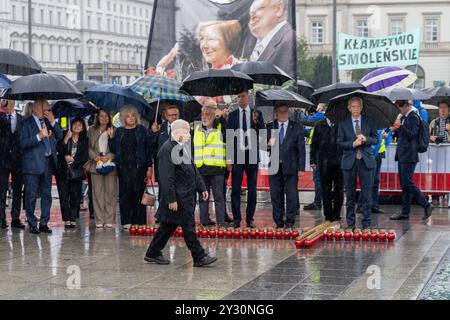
{"x": 133, "y": 157}
{"x": 72, "y": 155}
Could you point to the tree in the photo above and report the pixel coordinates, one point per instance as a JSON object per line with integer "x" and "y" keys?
{"x": 317, "y": 70}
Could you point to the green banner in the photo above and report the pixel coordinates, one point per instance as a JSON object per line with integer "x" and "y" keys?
{"x": 360, "y": 53}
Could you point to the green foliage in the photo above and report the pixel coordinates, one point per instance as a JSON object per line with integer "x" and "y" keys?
{"x": 317, "y": 70}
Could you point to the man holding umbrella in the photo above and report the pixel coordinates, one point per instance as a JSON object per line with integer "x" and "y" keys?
{"x": 38, "y": 137}
{"x": 10, "y": 164}
{"x": 355, "y": 137}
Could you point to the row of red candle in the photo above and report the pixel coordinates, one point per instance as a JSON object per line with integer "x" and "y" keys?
{"x": 348, "y": 235}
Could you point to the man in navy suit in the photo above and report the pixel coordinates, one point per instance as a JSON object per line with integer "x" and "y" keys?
{"x": 10, "y": 164}
{"x": 406, "y": 129}
{"x": 289, "y": 137}
{"x": 245, "y": 123}
{"x": 38, "y": 137}
{"x": 356, "y": 135}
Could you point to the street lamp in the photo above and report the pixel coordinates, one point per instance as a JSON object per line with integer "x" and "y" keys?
{"x": 30, "y": 22}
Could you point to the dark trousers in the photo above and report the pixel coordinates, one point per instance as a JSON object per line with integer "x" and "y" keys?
{"x": 164, "y": 233}
{"x": 376, "y": 183}
{"x": 69, "y": 198}
{"x": 216, "y": 184}
{"x": 91, "y": 202}
{"x": 251, "y": 171}
{"x": 332, "y": 183}
{"x": 317, "y": 186}
{"x": 43, "y": 183}
{"x": 365, "y": 180}
{"x": 281, "y": 185}
{"x": 16, "y": 184}
{"x": 409, "y": 189}
{"x": 225, "y": 186}
{"x": 131, "y": 189}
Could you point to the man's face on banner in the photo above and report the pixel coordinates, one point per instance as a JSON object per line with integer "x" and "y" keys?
{"x": 264, "y": 16}
{"x": 213, "y": 45}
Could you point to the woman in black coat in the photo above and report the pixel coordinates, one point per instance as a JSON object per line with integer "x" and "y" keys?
{"x": 73, "y": 153}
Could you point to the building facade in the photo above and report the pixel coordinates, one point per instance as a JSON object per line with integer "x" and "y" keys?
{"x": 109, "y": 37}
{"x": 380, "y": 18}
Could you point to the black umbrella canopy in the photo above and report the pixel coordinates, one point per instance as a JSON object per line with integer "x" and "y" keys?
{"x": 305, "y": 89}
{"x": 325, "y": 94}
{"x": 83, "y": 85}
{"x": 379, "y": 108}
{"x": 44, "y": 86}
{"x": 401, "y": 93}
{"x": 437, "y": 94}
{"x": 272, "y": 97}
{"x": 17, "y": 63}
{"x": 263, "y": 72}
{"x": 213, "y": 83}
{"x": 190, "y": 111}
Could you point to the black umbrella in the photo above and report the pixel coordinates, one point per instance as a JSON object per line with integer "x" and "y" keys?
{"x": 42, "y": 85}
{"x": 325, "y": 94}
{"x": 379, "y": 108}
{"x": 189, "y": 110}
{"x": 72, "y": 108}
{"x": 263, "y": 72}
{"x": 305, "y": 89}
{"x": 17, "y": 63}
{"x": 401, "y": 93}
{"x": 83, "y": 85}
{"x": 213, "y": 83}
{"x": 272, "y": 97}
{"x": 437, "y": 94}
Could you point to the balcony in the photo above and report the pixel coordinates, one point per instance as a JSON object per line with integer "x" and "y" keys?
{"x": 435, "y": 47}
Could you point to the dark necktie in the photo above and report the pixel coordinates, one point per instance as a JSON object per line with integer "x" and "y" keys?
{"x": 244, "y": 126}
{"x": 358, "y": 132}
{"x": 282, "y": 134}
{"x": 168, "y": 129}
{"x": 10, "y": 123}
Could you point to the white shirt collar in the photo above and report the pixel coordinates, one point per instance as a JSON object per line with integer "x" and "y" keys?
{"x": 359, "y": 119}
{"x": 265, "y": 41}
{"x": 244, "y": 108}
{"x": 285, "y": 123}
{"x": 411, "y": 110}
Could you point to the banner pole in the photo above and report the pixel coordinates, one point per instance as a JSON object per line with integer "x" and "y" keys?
{"x": 334, "y": 62}
{"x": 150, "y": 36}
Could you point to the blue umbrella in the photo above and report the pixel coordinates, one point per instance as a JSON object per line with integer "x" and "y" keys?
{"x": 388, "y": 77}
{"x": 112, "y": 97}
{"x": 72, "y": 108}
{"x": 5, "y": 84}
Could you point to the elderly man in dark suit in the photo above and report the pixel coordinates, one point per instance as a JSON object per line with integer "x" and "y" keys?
{"x": 288, "y": 137}
{"x": 39, "y": 134}
{"x": 10, "y": 164}
{"x": 406, "y": 129}
{"x": 243, "y": 156}
{"x": 355, "y": 137}
{"x": 275, "y": 37}
{"x": 179, "y": 182}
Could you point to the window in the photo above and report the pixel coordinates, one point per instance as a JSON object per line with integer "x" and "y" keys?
{"x": 42, "y": 16}
{"x": 24, "y": 14}
{"x": 128, "y": 28}
{"x": 128, "y": 10}
{"x": 121, "y": 27}
{"x": 59, "y": 18}
{"x": 141, "y": 31}
{"x": 362, "y": 28}
{"x": 99, "y": 5}
{"x": 316, "y": 32}
{"x": 108, "y": 24}
{"x": 99, "y": 23}
{"x": 88, "y": 22}
{"x": 134, "y": 11}
{"x": 431, "y": 30}
{"x": 50, "y": 57}
{"x": 14, "y": 12}
{"x": 420, "y": 72}
{"x": 43, "y": 52}
{"x": 89, "y": 3}
{"x": 90, "y": 54}
{"x": 114, "y": 6}
{"x": 68, "y": 21}
{"x": 397, "y": 26}
{"x": 108, "y": 5}
{"x": 50, "y": 17}
{"x": 115, "y": 26}
{"x": 134, "y": 29}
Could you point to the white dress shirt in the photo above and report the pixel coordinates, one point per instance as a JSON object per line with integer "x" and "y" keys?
{"x": 13, "y": 121}
{"x": 248, "y": 116}
{"x": 38, "y": 123}
{"x": 286, "y": 124}
{"x": 261, "y": 45}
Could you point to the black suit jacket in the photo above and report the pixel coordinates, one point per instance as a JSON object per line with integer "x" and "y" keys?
{"x": 280, "y": 50}
{"x": 407, "y": 143}
{"x": 233, "y": 123}
{"x": 292, "y": 151}
{"x": 81, "y": 156}
{"x": 10, "y": 151}
{"x": 346, "y": 137}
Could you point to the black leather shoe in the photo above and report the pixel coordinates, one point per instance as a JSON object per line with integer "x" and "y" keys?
{"x": 158, "y": 260}
{"x": 17, "y": 224}
{"x": 251, "y": 224}
{"x": 205, "y": 261}
{"x": 3, "y": 225}
{"x": 236, "y": 224}
{"x": 45, "y": 230}
{"x": 34, "y": 231}
{"x": 312, "y": 206}
{"x": 399, "y": 216}
{"x": 228, "y": 219}
{"x": 428, "y": 212}
{"x": 377, "y": 210}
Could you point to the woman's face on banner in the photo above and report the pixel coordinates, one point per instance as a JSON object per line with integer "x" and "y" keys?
{"x": 213, "y": 46}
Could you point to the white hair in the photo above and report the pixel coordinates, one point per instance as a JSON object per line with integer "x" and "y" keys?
{"x": 177, "y": 126}
{"x": 258, "y": 3}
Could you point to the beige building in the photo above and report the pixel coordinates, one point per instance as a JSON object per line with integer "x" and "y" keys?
{"x": 380, "y": 18}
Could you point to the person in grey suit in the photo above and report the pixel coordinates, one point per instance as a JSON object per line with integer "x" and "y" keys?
{"x": 39, "y": 134}
{"x": 356, "y": 135}
{"x": 275, "y": 37}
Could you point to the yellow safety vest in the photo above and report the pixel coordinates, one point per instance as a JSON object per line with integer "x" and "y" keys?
{"x": 310, "y": 136}
{"x": 210, "y": 151}
{"x": 382, "y": 147}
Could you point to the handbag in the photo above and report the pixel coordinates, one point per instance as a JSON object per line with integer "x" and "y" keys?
{"x": 149, "y": 199}
{"x": 75, "y": 173}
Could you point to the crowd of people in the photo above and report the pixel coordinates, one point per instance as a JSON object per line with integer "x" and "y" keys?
{"x": 120, "y": 162}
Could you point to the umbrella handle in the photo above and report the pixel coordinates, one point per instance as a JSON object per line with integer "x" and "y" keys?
{"x": 157, "y": 107}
